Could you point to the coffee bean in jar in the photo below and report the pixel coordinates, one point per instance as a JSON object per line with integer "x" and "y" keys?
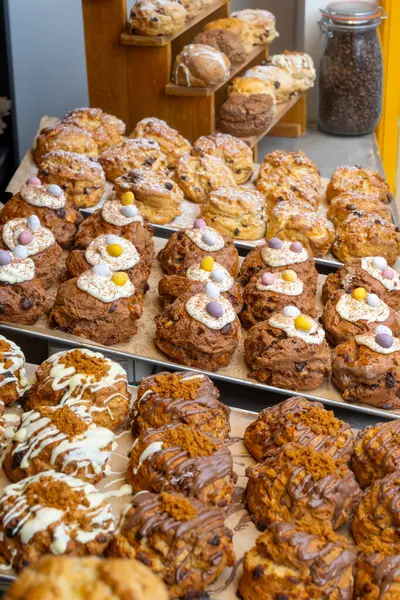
{"x": 351, "y": 70}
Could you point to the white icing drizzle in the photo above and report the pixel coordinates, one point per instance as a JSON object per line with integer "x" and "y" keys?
{"x": 281, "y": 286}
{"x": 376, "y": 273}
{"x": 103, "y": 288}
{"x": 15, "y": 370}
{"x": 147, "y": 452}
{"x": 195, "y": 273}
{"x": 204, "y": 53}
{"x": 111, "y": 214}
{"x": 196, "y": 308}
{"x": 368, "y": 340}
{"x": 315, "y": 335}
{"x": 42, "y": 238}
{"x": 39, "y": 196}
{"x": 196, "y": 236}
{"x": 354, "y": 310}
{"x": 96, "y": 253}
{"x": 281, "y": 257}
{"x": 18, "y": 271}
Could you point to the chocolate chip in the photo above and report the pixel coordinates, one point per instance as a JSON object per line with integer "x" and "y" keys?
{"x": 26, "y": 303}
{"x": 347, "y": 358}
{"x": 146, "y": 287}
{"x": 10, "y": 532}
{"x": 281, "y": 597}
{"x": 351, "y": 207}
{"x": 227, "y": 328}
{"x": 149, "y": 161}
{"x": 277, "y": 85}
{"x": 112, "y": 308}
{"x": 169, "y": 185}
{"x": 237, "y": 231}
{"x": 398, "y": 229}
{"x": 257, "y": 572}
{"x": 101, "y": 538}
{"x": 60, "y": 212}
{"x": 86, "y": 191}
{"x": 390, "y": 380}
{"x": 215, "y": 541}
{"x": 183, "y": 178}
{"x": 261, "y": 526}
{"x": 378, "y": 221}
{"x": 154, "y": 19}
{"x": 45, "y": 172}
{"x": 358, "y": 213}
{"x": 138, "y": 536}
{"x": 63, "y": 187}
{"x": 238, "y": 171}
{"x": 17, "y": 459}
{"x": 143, "y": 558}
{"x": 300, "y": 366}
{"x": 26, "y": 563}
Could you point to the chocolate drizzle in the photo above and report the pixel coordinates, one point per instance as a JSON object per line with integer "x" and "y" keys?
{"x": 386, "y": 571}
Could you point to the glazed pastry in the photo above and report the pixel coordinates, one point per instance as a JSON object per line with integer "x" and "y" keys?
{"x": 52, "y": 513}
{"x": 377, "y": 573}
{"x": 49, "y": 204}
{"x": 245, "y": 116}
{"x": 362, "y": 235}
{"x": 156, "y": 17}
{"x": 13, "y": 381}
{"x": 27, "y": 238}
{"x": 235, "y": 153}
{"x": 227, "y": 42}
{"x": 61, "y": 576}
{"x": 81, "y": 178}
{"x": 288, "y": 351}
{"x": 64, "y": 137}
{"x": 261, "y": 24}
{"x": 197, "y": 545}
{"x": 281, "y": 80}
{"x": 294, "y": 562}
{"x": 198, "y": 176}
{"x": 358, "y": 180}
{"x": 60, "y": 439}
{"x": 172, "y": 144}
{"x": 98, "y": 305}
{"x": 198, "y": 65}
{"x": 358, "y": 313}
{"x": 236, "y": 26}
{"x": 157, "y": 197}
{"x": 376, "y": 452}
{"x": 371, "y": 273}
{"x": 348, "y": 203}
{"x": 178, "y": 458}
{"x": 237, "y": 212}
{"x": 85, "y": 382}
{"x": 267, "y": 293}
{"x": 300, "y": 66}
{"x": 367, "y": 369}
{"x": 275, "y": 256}
{"x": 302, "y": 422}
{"x": 132, "y": 154}
{"x": 105, "y": 129}
{"x": 189, "y": 247}
{"x": 299, "y": 483}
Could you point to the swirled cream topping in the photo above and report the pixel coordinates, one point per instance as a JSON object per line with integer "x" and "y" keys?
{"x": 103, "y": 288}
{"x": 196, "y": 273}
{"x": 201, "y": 237}
{"x": 39, "y": 196}
{"x": 377, "y": 273}
{"x": 281, "y": 257}
{"x": 42, "y": 238}
{"x": 97, "y": 253}
{"x": 196, "y": 307}
{"x": 315, "y": 335}
{"x": 368, "y": 340}
{"x": 281, "y": 286}
{"x": 111, "y": 213}
{"x": 354, "y": 310}
{"x": 18, "y": 271}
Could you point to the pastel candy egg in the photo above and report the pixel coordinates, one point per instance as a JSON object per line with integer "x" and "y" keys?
{"x": 383, "y": 329}
{"x": 267, "y": 278}
{"x": 199, "y": 224}
{"x": 359, "y": 293}
{"x": 127, "y": 198}
{"x": 114, "y": 250}
{"x": 372, "y": 300}
{"x": 384, "y": 340}
{"x": 34, "y": 181}
{"x": 275, "y": 243}
{"x": 5, "y": 258}
{"x": 33, "y": 223}
{"x": 302, "y": 323}
{"x": 209, "y": 238}
{"x": 218, "y": 275}
{"x": 207, "y": 264}
{"x": 20, "y": 252}
{"x": 215, "y": 309}
{"x": 379, "y": 262}
{"x": 212, "y": 291}
{"x": 120, "y": 278}
{"x": 101, "y": 269}
{"x": 296, "y": 247}
{"x": 129, "y": 211}
{"x": 25, "y": 238}
{"x": 289, "y": 275}
{"x": 112, "y": 239}
{"x": 291, "y": 311}
{"x": 54, "y": 190}
{"x": 388, "y": 273}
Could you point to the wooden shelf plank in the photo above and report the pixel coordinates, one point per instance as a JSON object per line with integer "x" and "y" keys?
{"x": 128, "y": 39}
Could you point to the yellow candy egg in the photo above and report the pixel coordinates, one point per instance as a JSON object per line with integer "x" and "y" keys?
{"x": 127, "y": 198}
{"x": 289, "y": 275}
{"x": 359, "y": 293}
{"x": 302, "y": 323}
{"x": 114, "y": 249}
{"x": 120, "y": 278}
{"x": 207, "y": 264}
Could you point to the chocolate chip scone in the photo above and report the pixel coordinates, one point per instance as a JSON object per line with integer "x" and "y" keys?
{"x": 132, "y": 154}
{"x": 358, "y": 180}
{"x": 172, "y": 143}
{"x": 376, "y": 452}
{"x": 106, "y": 130}
{"x": 198, "y": 176}
{"x": 64, "y": 137}
{"x": 233, "y": 151}
{"x": 354, "y": 202}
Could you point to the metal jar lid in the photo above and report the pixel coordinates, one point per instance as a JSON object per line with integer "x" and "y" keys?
{"x": 352, "y": 14}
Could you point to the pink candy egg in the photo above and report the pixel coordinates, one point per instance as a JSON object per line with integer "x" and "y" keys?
{"x": 267, "y": 278}
{"x": 34, "y": 181}
{"x": 388, "y": 273}
{"x": 296, "y": 247}
{"x": 25, "y": 238}
{"x": 275, "y": 243}
{"x": 199, "y": 224}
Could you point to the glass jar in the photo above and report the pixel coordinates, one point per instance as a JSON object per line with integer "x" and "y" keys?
{"x": 351, "y": 68}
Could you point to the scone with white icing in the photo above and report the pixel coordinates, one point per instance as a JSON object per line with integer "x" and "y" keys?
{"x": 156, "y": 17}
{"x": 261, "y": 23}
{"x": 13, "y": 381}
{"x": 199, "y": 65}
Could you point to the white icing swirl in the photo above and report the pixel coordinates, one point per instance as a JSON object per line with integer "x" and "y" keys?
{"x": 281, "y": 257}
{"x": 97, "y": 253}
{"x": 15, "y": 369}
{"x": 281, "y": 286}
{"x": 39, "y": 196}
{"x": 196, "y": 308}
{"x": 195, "y": 273}
{"x": 376, "y": 273}
{"x": 368, "y": 340}
{"x": 354, "y": 310}
{"x": 315, "y": 335}
{"x": 196, "y": 236}
{"x": 103, "y": 288}
{"x": 18, "y": 271}
{"x": 42, "y": 237}
{"x": 111, "y": 214}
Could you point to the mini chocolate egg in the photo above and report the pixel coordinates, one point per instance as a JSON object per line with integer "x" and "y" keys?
{"x": 289, "y": 275}
{"x": 33, "y": 223}
{"x": 129, "y": 211}
{"x": 120, "y": 278}
{"x": 384, "y": 340}
{"x": 5, "y": 258}
{"x": 127, "y": 199}
{"x": 112, "y": 239}
{"x": 25, "y": 238}
{"x": 388, "y": 273}
{"x": 379, "y": 262}
{"x": 54, "y": 190}
{"x": 34, "y": 181}
{"x": 209, "y": 238}
{"x": 114, "y": 250}
{"x": 359, "y": 293}
{"x": 207, "y": 264}
{"x": 20, "y": 252}
{"x": 199, "y": 224}
{"x": 275, "y": 243}
{"x": 101, "y": 269}
{"x": 372, "y": 300}
{"x": 215, "y": 309}
{"x": 302, "y": 323}
{"x": 267, "y": 278}
{"x": 296, "y": 247}
{"x": 211, "y": 290}
{"x": 218, "y": 275}
{"x": 291, "y": 311}
{"x": 383, "y": 329}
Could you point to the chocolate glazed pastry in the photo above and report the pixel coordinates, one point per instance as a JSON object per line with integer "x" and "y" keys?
{"x": 196, "y": 546}
{"x": 377, "y": 574}
{"x": 376, "y": 452}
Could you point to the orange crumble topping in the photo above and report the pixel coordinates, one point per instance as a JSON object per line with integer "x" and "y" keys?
{"x": 194, "y": 442}
{"x": 178, "y": 508}
{"x": 87, "y": 365}
{"x": 54, "y": 494}
{"x": 66, "y": 421}
{"x": 172, "y": 386}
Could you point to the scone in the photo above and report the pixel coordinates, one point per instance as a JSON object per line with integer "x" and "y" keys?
{"x": 302, "y": 422}
{"x": 83, "y": 381}
{"x": 184, "y": 397}
{"x": 281, "y": 80}
{"x": 198, "y": 65}
{"x": 347, "y": 315}
{"x": 198, "y": 176}
{"x": 53, "y": 513}
{"x": 81, "y": 178}
{"x": 156, "y": 17}
{"x": 377, "y": 573}
{"x": 247, "y": 115}
{"x": 183, "y": 541}
{"x": 376, "y": 452}
{"x": 13, "y": 381}
{"x": 366, "y": 369}
{"x": 261, "y": 24}
{"x": 358, "y": 180}
{"x": 236, "y": 212}
{"x": 132, "y": 154}
{"x": 157, "y": 197}
{"x": 227, "y": 42}
{"x": 236, "y": 26}
{"x": 235, "y": 153}
{"x": 362, "y": 235}
{"x": 189, "y": 247}
{"x": 300, "y": 66}
{"x": 192, "y": 8}
{"x": 106, "y": 130}
{"x": 178, "y": 458}
{"x": 64, "y": 137}
{"x": 249, "y": 86}
{"x": 172, "y": 144}
{"x": 288, "y": 350}
{"x": 345, "y": 204}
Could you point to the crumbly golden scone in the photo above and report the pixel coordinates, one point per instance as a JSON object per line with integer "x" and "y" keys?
{"x": 251, "y": 86}
{"x": 157, "y": 197}
{"x": 345, "y": 204}
{"x": 300, "y": 483}
{"x": 13, "y": 381}
{"x": 225, "y": 41}
{"x": 156, "y": 17}
{"x": 81, "y": 178}
{"x": 198, "y": 176}
{"x": 377, "y": 573}
{"x": 302, "y": 422}
{"x": 358, "y": 180}
{"x": 376, "y": 452}
{"x": 53, "y": 513}
{"x": 132, "y": 154}
{"x": 236, "y": 26}
{"x": 106, "y": 130}
{"x": 247, "y": 115}
{"x": 233, "y": 151}
{"x": 192, "y": 8}
{"x": 182, "y": 540}
{"x": 89, "y": 578}
{"x": 172, "y": 144}
{"x": 297, "y": 562}
{"x": 262, "y": 24}
{"x": 281, "y": 80}
{"x": 198, "y": 65}
{"x": 22, "y": 295}
{"x": 64, "y": 137}
{"x": 300, "y": 66}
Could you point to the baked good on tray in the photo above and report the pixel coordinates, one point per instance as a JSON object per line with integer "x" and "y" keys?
{"x": 227, "y": 42}
{"x": 198, "y": 176}
{"x": 53, "y": 513}
{"x": 59, "y": 577}
{"x": 156, "y": 17}
{"x": 302, "y": 422}
{"x": 293, "y": 561}
{"x": 359, "y": 180}
{"x": 190, "y": 246}
{"x": 132, "y": 154}
{"x": 300, "y": 66}
{"x": 49, "y": 204}
{"x": 281, "y": 80}
{"x": 192, "y": 8}
{"x": 84, "y": 381}
{"x": 347, "y": 315}
{"x": 377, "y": 574}
{"x": 106, "y": 130}
{"x": 237, "y": 212}
{"x": 182, "y": 540}
{"x": 345, "y": 204}
{"x": 233, "y": 151}
{"x": 64, "y": 137}
{"x": 246, "y": 86}
{"x": 262, "y": 24}
{"x": 81, "y": 178}
{"x": 198, "y": 65}
{"x": 247, "y": 115}
{"x": 376, "y": 452}
{"x": 238, "y": 27}
{"x": 13, "y": 381}
{"x": 172, "y": 144}
{"x": 367, "y": 368}
{"x": 157, "y": 197}
{"x": 300, "y": 483}
{"x": 288, "y": 350}
{"x": 369, "y": 272}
